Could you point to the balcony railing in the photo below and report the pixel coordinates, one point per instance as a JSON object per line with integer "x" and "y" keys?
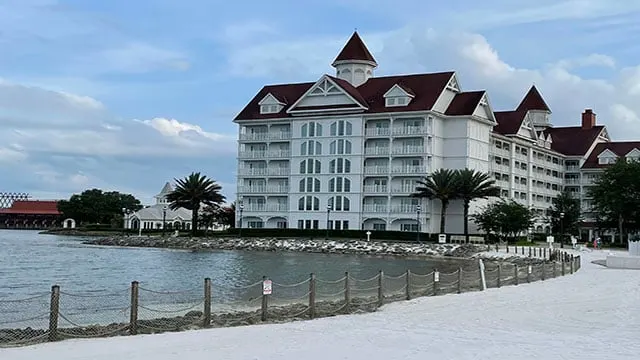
{"x": 415, "y": 169}
{"x": 403, "y": 189}
{"x": 409, "y": 130}
{"x": 573, "y": 168}
{"x": 376, "y": 170}
{"x": 573, "y": 181}
{"x": 406, "y": 209}
{"x": 260, "y": 154}
{"x": 385, "y": 131}
{"x": 375, "y": 208}
{"x": 279, "y": 135}
{"x": 279, "y": 171}
{"x": 253, "y": 171}
{"x": 264, "y": 136}
{"x": 376, "y": 189}
{"x": 264, "y": 189}
{"x": 408, "y": 150}
{"x": 376, "y": 150}
{"x": 266, "y": 208}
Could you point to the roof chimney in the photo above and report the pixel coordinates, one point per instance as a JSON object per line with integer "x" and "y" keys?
{"x": 588, "y": 119}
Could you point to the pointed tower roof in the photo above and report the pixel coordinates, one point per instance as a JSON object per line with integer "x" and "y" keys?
{"x": 166, "y": 189}
{"x": 355, "y": 49}
{"x": 533, "y": 101}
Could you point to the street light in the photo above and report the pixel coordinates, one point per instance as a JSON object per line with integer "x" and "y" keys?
{"x": 562, "y": 229}
{"x": 326, "y": 236}
{"x": 418, "y": 208}
{"x": 164, "y": 218}
{"x": 125, "y": 212}
{"x": 240, "y": 225}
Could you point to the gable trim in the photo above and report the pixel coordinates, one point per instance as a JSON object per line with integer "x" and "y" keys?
{"x": 396, "y": 86}
{"x": 267, "y": 98}
{"x": 607, "y": 153}
{"x": 357, "y": 104}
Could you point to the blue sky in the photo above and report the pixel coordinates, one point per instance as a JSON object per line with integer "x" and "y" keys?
{"x": 125, "y": 95}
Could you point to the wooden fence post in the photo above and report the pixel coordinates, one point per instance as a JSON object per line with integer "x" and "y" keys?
{"x": 545, "y": 253}
{"x": 54, "y": 311}
{"x": 507, "y": 247}
{"x": 408, "y": 284}
{"x": 436, "y": 281}
{"x": 380, "y": 289}
{"x": 555, "y": 269}
{"x": 499, "y": 281}
{"x": 522, "y": 249}
{"x": 572, "y": 264}
{"x": 265, "y": 302}
{"x": 516, "y": 274}
{"x": 133, "y": 313}
{"x": 207, "y": 302}
{"x": 347, "y": 292}
{"x": 312, "y": 296}
{"x": 459, "y": 280}
{"x": 529, "y": 251}
{"x": 562, "y": 264}
{"x": 529, "y": 271}
{"x": 543, "y": 271}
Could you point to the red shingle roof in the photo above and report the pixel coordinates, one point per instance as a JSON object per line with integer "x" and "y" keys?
{"x": 426, "y": 88}
{"x": 465, "y": 103}
{"x": 355, "y": 49}
{"x": 620, "y": 148}
{"x": 34, "y": 207}
{"x": 509, "y": 122}
{"x": 573, "y": 140}
{"x": 533, "y": 101}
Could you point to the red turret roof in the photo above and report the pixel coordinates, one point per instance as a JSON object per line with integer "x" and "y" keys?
{"x": 533, "y": 101}
{"x": 355, "y": 49}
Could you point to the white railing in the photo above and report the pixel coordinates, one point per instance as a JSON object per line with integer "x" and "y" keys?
{"x": 266, "y": 208}
{"x": 264, "y": 189}
{"x": 406, "y": 209}
{"x": 375, "y": 208}
{"x": 403, "y": 189}
{"x": 264, "y": 136}
{"x": 376, "y": 150}
{"x": 573, "y": 168}
{"x": 256, "y": 154}
{"x": 417, "y": 169}
{"x": 377, "y": 131}
{"x": 408, "y": 150}
{"x": 573, "y": 181}
{"x": 279, "y": 154}
{"x": 409, "y": 130}
{"x": 253, "y": 172}
{"x": 376, "y": 169}
{"x": 279, "y": 171}
{"x": 279, "y": 135}
{"x": 376, "y": 189}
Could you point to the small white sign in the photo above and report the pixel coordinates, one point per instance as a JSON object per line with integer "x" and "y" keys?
{"x": 436, "y": 276}
{"x": 442, "y": 238}
{"x": 574, "y": 240}
{"x": 550, "y": 239}
{"x": 530, "y": 270}
{"x": 267, "y": 287}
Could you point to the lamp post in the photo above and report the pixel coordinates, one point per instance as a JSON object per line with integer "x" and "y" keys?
{"x": 326, "y": 236}
{"x": 562, "y": 229}
{"x": 240, "y": 225}
{"x": 125, "y": 212}
{"x": 418, "y": 208}
{"x": 164, "y": 219}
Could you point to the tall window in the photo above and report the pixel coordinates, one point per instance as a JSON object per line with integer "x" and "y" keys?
{"x": 339, "y": 203}
{"x": 340, "y": 147}
{"x": 308, "y": 203}
{"x": 309, "y": 185}
{"x": 340, "y": 166}
{"x": 311, "y": 147}
{"x": 311, "y": 129}
{"x": 341, "y": 128}
{"x": 310, "y": 166}
{"x": 339, "y": 184}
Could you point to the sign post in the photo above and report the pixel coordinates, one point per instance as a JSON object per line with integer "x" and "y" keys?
{"x": 267, "y": 287}
{"x": 442, "y": 238}
{"x": 550, "y": 240}
{"x": 368, "y": 236}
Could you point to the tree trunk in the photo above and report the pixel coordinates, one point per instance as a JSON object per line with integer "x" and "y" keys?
{"x": 465, "y": 215}
{"x": 194, "y": 221}
{"x": 443, "y": 215}
{"x": 620, "y": 229}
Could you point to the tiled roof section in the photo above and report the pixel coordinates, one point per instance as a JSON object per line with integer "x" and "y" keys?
{"x": 620, "y": 148}
{"x": 509, "y": 122}
{"x": 533, "y": 101}
{"x": 573, "y": 140}
{"x": 33, "y": 207}
{"x": 464, "y": 103}
{"x": 355, "y": 49}
{"x": 426, "y": 89}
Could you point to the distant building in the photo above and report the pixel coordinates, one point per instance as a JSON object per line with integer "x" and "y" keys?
{"x": 153, "y": 217}
{"x": 31, "y": 214}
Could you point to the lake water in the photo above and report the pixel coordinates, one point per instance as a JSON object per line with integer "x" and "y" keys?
{"x": 96, "y": 280}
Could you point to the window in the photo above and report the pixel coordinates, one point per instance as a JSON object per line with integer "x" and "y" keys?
{"x": 255, "y": 224}
{"x": 309, "y": 185}
{"x": 397, "y": 101}
{"x": 308, "y": 203}
{"x": 311, "y": 129}
{"x": 341, "y": 128}
{"x": 340, "y": 166}
{"x": 311, "y": 147}
{"x": 380, "y": 227}
{"x": 339, "y": 184}
{"x": 409, "y": 227}
{"x": 310, "y": 166}
{"x": 340, "y": 147}
{"x": 339, "y": 203}
{"x": 270, "y": 109}
{"x": 281, "y": 225}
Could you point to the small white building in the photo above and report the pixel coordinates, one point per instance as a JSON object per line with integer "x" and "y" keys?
{"x": 154, "y": 216}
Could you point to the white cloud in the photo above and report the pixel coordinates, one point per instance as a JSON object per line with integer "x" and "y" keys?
{"x": 592, "y": 60}
{"x": 137, "y": 57}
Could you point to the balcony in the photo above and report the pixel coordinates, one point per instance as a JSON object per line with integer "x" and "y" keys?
{"x": 283, "y": 189}
{"x": 377, "y": 131}
{"x": 261, "y": 154}
{"x": 279, "y": 135}
{"x": 253, "y": 171}
{"x": 406, "y": 209}
{"x": 403, "y": 189}
{"x": 375, "y": 208}
{"x": 266, "y": 208}
{"x": 265, "y": 136}
{"x": 373, "y": 170}
{"x": 408, "y": 150}
{"x": 376, "y": 150}
{"x": 373, "y": 189}
{"x": 279, "y": 171}
{"x": 572, "y": 181}
{"x": 414, "y": 169}
{"x": 575, "y": 168}
{"x": 409, "y": 130}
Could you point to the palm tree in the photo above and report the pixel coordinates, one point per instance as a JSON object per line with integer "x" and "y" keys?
{"x": 471, "y": 185}
{"x": 441, "y": 185}
{"x": 192, "y": 192}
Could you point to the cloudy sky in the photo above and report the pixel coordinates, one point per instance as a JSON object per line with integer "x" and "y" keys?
{"x": 125, "y": 95}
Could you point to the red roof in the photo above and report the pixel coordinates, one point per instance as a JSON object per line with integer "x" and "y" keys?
{"x": 35, "y": 207}
{"x": 509, "y": 122}
{"x": 620, "y": 148}
{"x": 464, "y": 103}
{"x": 355, "y": 49}
{"x": 533, "y": 101}
{"x": 573, "y": 140}
{"x": 426, "y": 88}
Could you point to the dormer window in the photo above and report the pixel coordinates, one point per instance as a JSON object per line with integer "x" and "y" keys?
{"x": 398, "y": 96}
{"x": 270, "y": 105}
{"x": 607, "y": 157}
{"x": 397, "y": 101}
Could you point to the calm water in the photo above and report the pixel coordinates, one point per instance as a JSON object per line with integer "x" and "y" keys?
{"x": 96, "y": 279}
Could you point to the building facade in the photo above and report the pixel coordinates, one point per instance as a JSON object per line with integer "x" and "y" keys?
{"x": 159, "y": 214}
{"x": 346, "y": 151}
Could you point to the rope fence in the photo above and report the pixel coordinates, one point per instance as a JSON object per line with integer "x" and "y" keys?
{"x": 60, "y": 315}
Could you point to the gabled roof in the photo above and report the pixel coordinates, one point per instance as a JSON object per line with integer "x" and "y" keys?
{"x": 340, "y": 85}
{"x": 425, "y": 87}
{"x": 509, "y": 122}
{"x": 355, "y": 49}
{"x": 33, "y": 207}
{"x": 620, "y": 148}
{"x": 533, "y": 101}
{"x": 464, "y": 103}
{"x": 166, "y": 189}
{"x": 573, "y": 140}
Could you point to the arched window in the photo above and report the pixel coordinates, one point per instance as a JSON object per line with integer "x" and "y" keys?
{"x": 339, "y": 184}
{"x": 308, "y": 203}
{"x": 311, "y": 147}
{"x": 339, "y": 203}
{"x": 340, "y": 166}
{"x": 311, "y": 129}
{"x": 341, "y": 128}
{"x": 310, "y": 166}
{"x": 340, "y": 147}
{"x": 309, "y": 185}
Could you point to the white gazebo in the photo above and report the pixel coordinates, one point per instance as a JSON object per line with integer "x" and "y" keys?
{"x": 155, "y": 216}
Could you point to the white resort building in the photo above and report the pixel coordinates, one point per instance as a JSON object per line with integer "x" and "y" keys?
{"x": 154, "y": 216}
{"x": 346, "y": 150}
